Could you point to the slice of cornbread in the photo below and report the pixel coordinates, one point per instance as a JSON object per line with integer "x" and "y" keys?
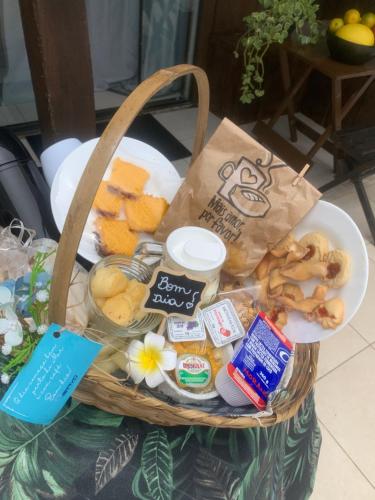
{"x": 145, "y": 212}
{"x": 127, "y": 179}
{"x": 115, "y": 237}
{"x": 106, "y": 202}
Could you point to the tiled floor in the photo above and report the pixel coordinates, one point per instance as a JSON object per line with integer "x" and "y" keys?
{"x": 345, "y": 389}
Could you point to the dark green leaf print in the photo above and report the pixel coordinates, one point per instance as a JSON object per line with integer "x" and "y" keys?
{"x": 111, "y": 462}
{"x": 89, "y": 454}
{"x": 157, "y": 466}
{"x": 215, "y": 479}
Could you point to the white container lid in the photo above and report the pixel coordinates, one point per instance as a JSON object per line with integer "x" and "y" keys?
{"x": 196, "y": 249}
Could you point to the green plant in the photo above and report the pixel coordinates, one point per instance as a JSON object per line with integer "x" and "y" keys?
{"x": 268, "y": 26}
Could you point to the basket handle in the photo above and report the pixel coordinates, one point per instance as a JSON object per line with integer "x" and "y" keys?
{"x": 97, "y": 164}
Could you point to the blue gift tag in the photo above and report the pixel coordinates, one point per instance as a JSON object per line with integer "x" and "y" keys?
{"x": 46, "y": 382}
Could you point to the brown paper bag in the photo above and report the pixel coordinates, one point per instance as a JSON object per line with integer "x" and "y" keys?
{"x": 244, "y": 194}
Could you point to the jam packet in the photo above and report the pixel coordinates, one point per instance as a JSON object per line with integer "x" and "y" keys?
{"x": 223, "y": 323}
{"x": 180, "y": 330}
{"x": 259, "y": 364}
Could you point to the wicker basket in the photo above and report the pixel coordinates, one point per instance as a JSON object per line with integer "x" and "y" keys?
{"x": 104, "y": 390}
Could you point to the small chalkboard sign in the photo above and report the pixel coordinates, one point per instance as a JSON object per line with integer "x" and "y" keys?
{"x": 173, "y": 294}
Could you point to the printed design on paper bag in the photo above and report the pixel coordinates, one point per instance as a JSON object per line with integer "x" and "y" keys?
{"x": 242, "y": 194}
{"x": 173, "y": 294}
{"x": 244, "y": 184}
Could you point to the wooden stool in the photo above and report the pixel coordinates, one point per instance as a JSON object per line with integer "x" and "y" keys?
{"x": 314, "y": 57}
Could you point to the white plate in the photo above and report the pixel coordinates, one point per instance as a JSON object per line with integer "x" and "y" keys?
{"x": 342, "y": 233}
{"x": 164, "y": 181}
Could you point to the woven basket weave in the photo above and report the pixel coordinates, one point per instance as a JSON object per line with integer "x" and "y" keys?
{"x": 103, "y": 390}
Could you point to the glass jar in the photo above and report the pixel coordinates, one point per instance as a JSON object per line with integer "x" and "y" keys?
{"x": 198, "y": 252}
{"x": 133, "y": 269}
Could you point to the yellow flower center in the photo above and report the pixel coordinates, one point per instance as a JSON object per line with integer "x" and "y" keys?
{"x": 149, "y": 359}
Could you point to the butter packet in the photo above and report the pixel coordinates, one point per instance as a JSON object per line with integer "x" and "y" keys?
{"x": 258, "y": 366}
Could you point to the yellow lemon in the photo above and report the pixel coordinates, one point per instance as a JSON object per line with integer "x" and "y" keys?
{"x": 356, "y": 33}
{"x": 368, "y": 19}
{"x": 352, "y": 16}
{"x": 336, "y": 24}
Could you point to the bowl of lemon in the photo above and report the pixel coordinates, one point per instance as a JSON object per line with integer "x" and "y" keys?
{"x": 351, "y": 39}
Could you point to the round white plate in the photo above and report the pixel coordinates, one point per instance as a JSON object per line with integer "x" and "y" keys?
{"x": 164, "y": 181}
{"x": 342, "y": 233}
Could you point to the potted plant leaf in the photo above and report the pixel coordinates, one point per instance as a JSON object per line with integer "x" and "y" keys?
{"x": 273, "y": 24}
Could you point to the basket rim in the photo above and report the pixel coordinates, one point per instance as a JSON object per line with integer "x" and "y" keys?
{"x": 105, "y": 392}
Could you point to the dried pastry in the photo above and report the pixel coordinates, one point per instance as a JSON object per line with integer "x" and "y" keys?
{"x": 294, "y": 300}
{"x": 145, "y": 212}
{"x": 115, "y": 237}
{"x": 338, "y": 268}
{"x": 293, "y": 292}
{"x": 278, "y": 316}
{"x": 320, "y": 292}
{"x": 331, "y": 313}
{"x": 276, "y": 279}
{"x": 307, "y": 305}
{"x": 263, "y": 295}
{"x": 303, "y": 271}
{"x": 119, "y": 309}
{"x": 267, "y": 264}
{"x": 283, "y": 247}
{"x": 317, "y": 246}
{"x": 290, "y": 294}
{"x": 127, "y": 179}
{"x": 107, "y": 203}
{"x": 107, "y": 282}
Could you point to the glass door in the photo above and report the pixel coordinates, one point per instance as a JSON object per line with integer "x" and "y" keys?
{"x": 129, "y": 40}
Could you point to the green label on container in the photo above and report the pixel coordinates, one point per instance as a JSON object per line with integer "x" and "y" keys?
{"x": 193, "y": 371}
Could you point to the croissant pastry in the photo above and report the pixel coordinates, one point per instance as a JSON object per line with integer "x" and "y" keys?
{"x": 303, "y": 271}
{"x": 283, "y": 247}
{"x": 338, "y": 268}
{"x": 316, "y": 246}
{"x": 330, "y": 314}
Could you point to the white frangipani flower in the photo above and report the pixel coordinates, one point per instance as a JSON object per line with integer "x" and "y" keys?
{"x": 42, "y": 295}
{"x": 5, "y": 379}
{"x": 148, "y": 360}
{"x": 41, "y": 330}
{"x": 6, "y": 349}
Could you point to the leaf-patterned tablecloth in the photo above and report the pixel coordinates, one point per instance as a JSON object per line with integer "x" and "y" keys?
{"x": 90, "y": 454}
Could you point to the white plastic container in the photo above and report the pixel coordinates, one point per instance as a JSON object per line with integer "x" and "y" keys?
{"x": 198, "y": 252}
